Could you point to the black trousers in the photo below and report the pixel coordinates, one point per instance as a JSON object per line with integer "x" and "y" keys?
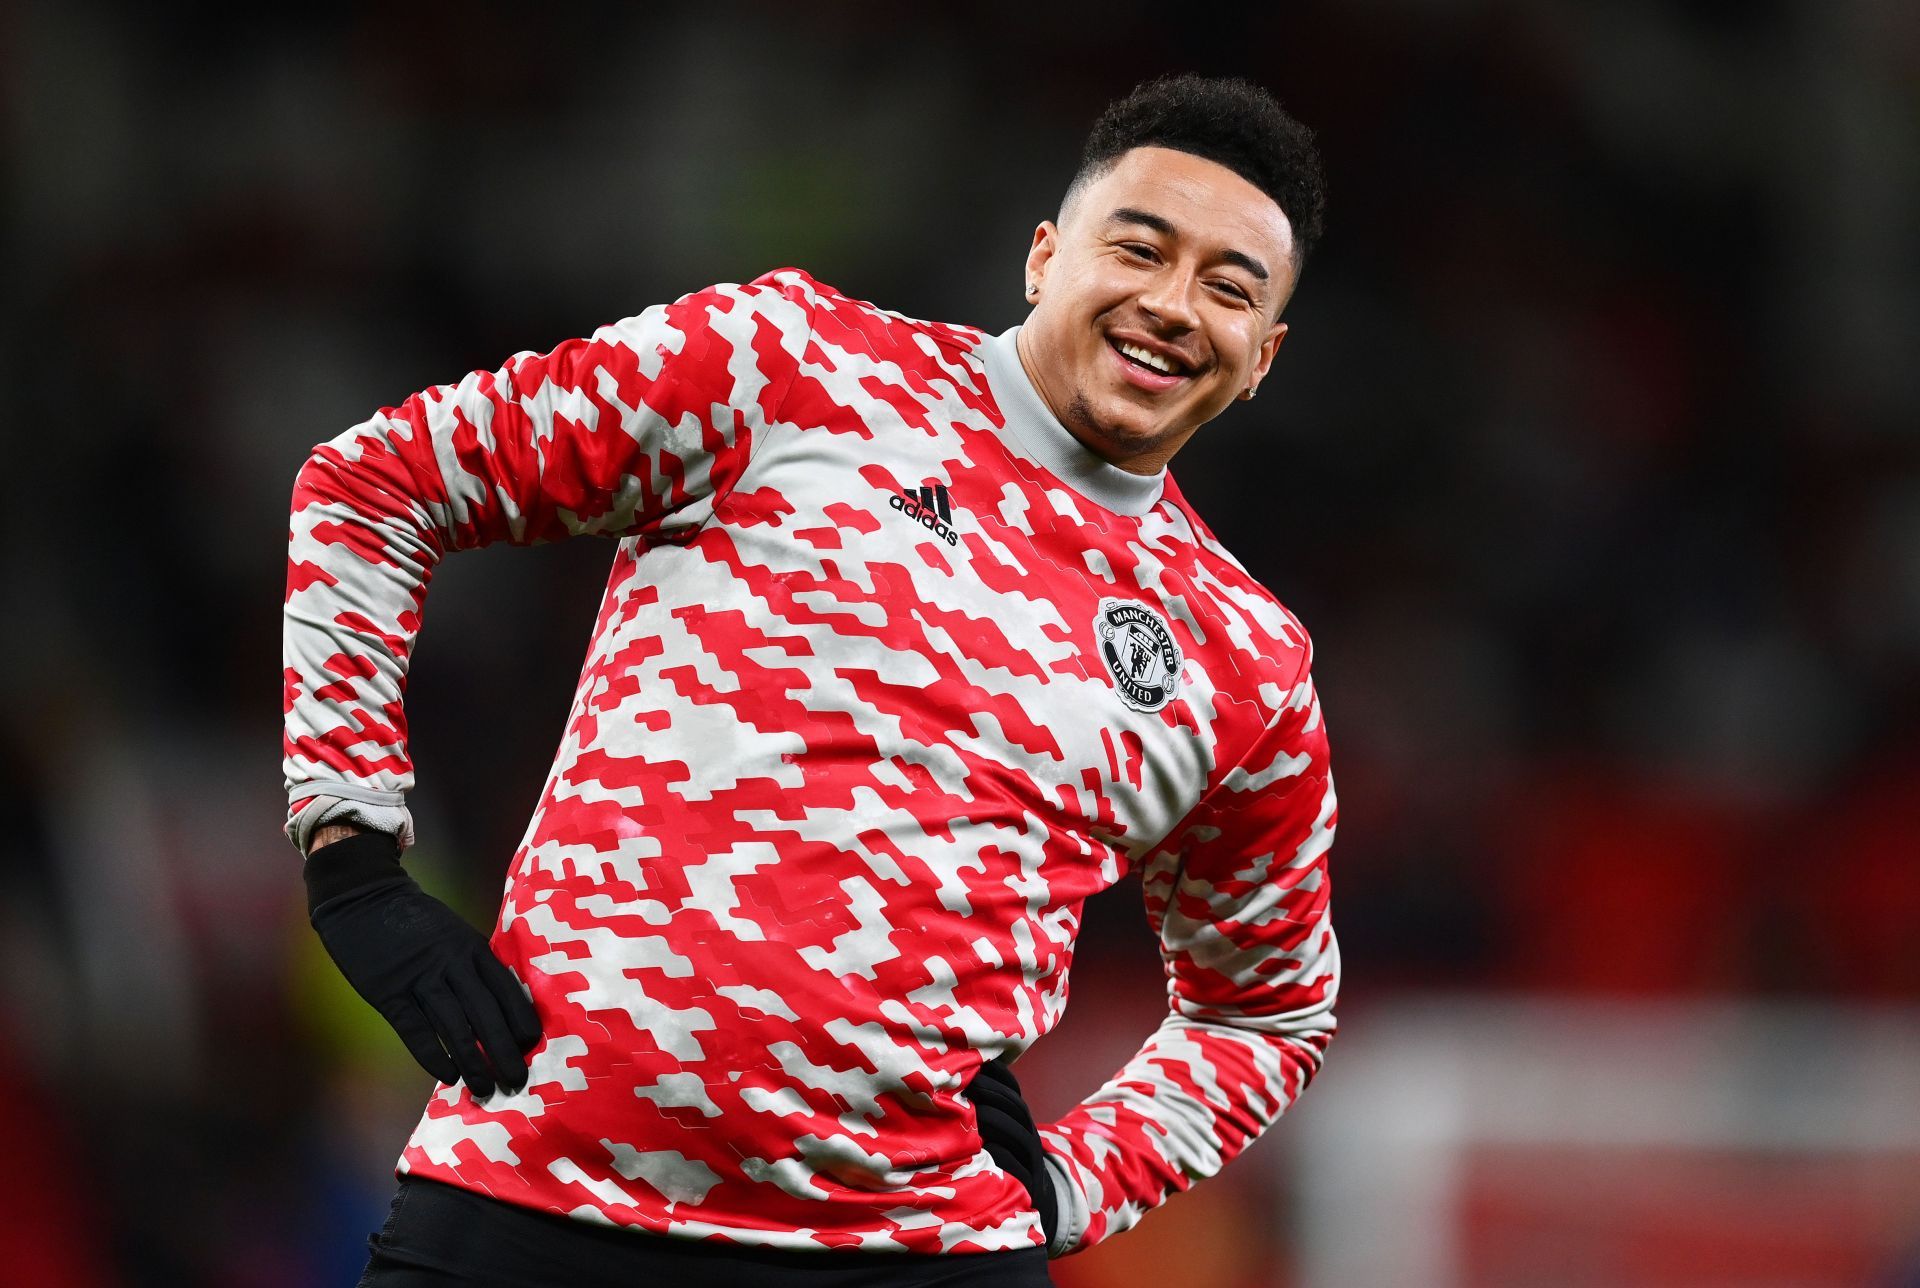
{"x": 439, "y": 1236}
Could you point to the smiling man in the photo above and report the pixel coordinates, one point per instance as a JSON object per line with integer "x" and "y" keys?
{"x": 1157, "y": 296}
{"x": 910, "y": 645}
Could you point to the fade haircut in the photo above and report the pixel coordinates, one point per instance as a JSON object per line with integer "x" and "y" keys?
{"x": 1222, "y": 119}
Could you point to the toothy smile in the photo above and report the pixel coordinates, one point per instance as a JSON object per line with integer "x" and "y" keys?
{"x": 1147, "y": 358}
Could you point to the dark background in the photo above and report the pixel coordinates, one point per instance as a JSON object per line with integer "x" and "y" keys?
{"x": 1592, "y": 461}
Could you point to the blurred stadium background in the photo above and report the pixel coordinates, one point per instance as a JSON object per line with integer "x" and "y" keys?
{"x": 1592, "y": 461}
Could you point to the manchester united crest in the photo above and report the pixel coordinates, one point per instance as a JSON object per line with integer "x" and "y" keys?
{"x": 1140, "y": 652}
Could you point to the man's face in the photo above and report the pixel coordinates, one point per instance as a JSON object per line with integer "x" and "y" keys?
{"x": 1166, "y": 253}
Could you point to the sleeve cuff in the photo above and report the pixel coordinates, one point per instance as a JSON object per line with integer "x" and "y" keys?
{"x": 1071, "y": 1212}
{"x": 395, "y": 820}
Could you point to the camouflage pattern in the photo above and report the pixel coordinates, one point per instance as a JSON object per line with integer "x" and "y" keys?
{"x": 873, "y": 702}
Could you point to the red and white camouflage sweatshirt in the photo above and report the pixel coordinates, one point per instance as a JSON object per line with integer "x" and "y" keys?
{"x": 890, "y": 675}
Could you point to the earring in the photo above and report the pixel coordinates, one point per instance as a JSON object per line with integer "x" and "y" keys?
{"x": 1033, "y": 290}
{"x": 1248, "y": 396}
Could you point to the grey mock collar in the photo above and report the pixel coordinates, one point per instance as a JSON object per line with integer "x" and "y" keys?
{"x": 1034, "y": 432}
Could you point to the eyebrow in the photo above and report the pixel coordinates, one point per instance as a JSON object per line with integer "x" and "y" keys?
{"x": 1159, "y": 224}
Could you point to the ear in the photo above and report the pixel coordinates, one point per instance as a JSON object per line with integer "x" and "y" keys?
{"x": 1046, "y": 240}
{"x": 1268, "y": 347}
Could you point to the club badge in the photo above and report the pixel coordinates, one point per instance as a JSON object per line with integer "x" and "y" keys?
{"x": 1140, "y": 652}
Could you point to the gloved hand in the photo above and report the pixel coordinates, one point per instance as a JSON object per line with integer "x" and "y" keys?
{"x": 1006, "y": 1128}
{"x": 430, "y": 974}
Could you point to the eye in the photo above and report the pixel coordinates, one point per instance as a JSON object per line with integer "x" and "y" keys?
{"x": 1233, "y": 289}
{"x": 1140, "y": 251}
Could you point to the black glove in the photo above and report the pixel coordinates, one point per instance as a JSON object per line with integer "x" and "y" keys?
{"x": 430, "y": 974}
{"x": 1006, "y": 1128}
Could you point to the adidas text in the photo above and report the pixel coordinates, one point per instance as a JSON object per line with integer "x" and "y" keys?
{"x": 930, "y": 509}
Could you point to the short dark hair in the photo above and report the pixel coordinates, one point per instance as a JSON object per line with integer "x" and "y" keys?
{"x": 1223, "y": 119}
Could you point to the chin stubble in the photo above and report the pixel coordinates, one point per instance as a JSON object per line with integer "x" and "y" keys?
{"x": 1088, "y": 428}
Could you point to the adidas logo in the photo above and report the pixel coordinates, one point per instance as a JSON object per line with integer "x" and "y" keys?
{"x": 930, "y": 508}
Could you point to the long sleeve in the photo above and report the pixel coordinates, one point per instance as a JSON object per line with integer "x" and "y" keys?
{"x": 1239, "y": 897}
{"x": 641, "y": 428}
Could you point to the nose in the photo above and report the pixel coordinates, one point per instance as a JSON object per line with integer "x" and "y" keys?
{"x": 1169, "y": 297}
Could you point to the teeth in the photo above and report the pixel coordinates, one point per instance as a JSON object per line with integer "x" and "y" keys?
{"x": 1145, "y": 359}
